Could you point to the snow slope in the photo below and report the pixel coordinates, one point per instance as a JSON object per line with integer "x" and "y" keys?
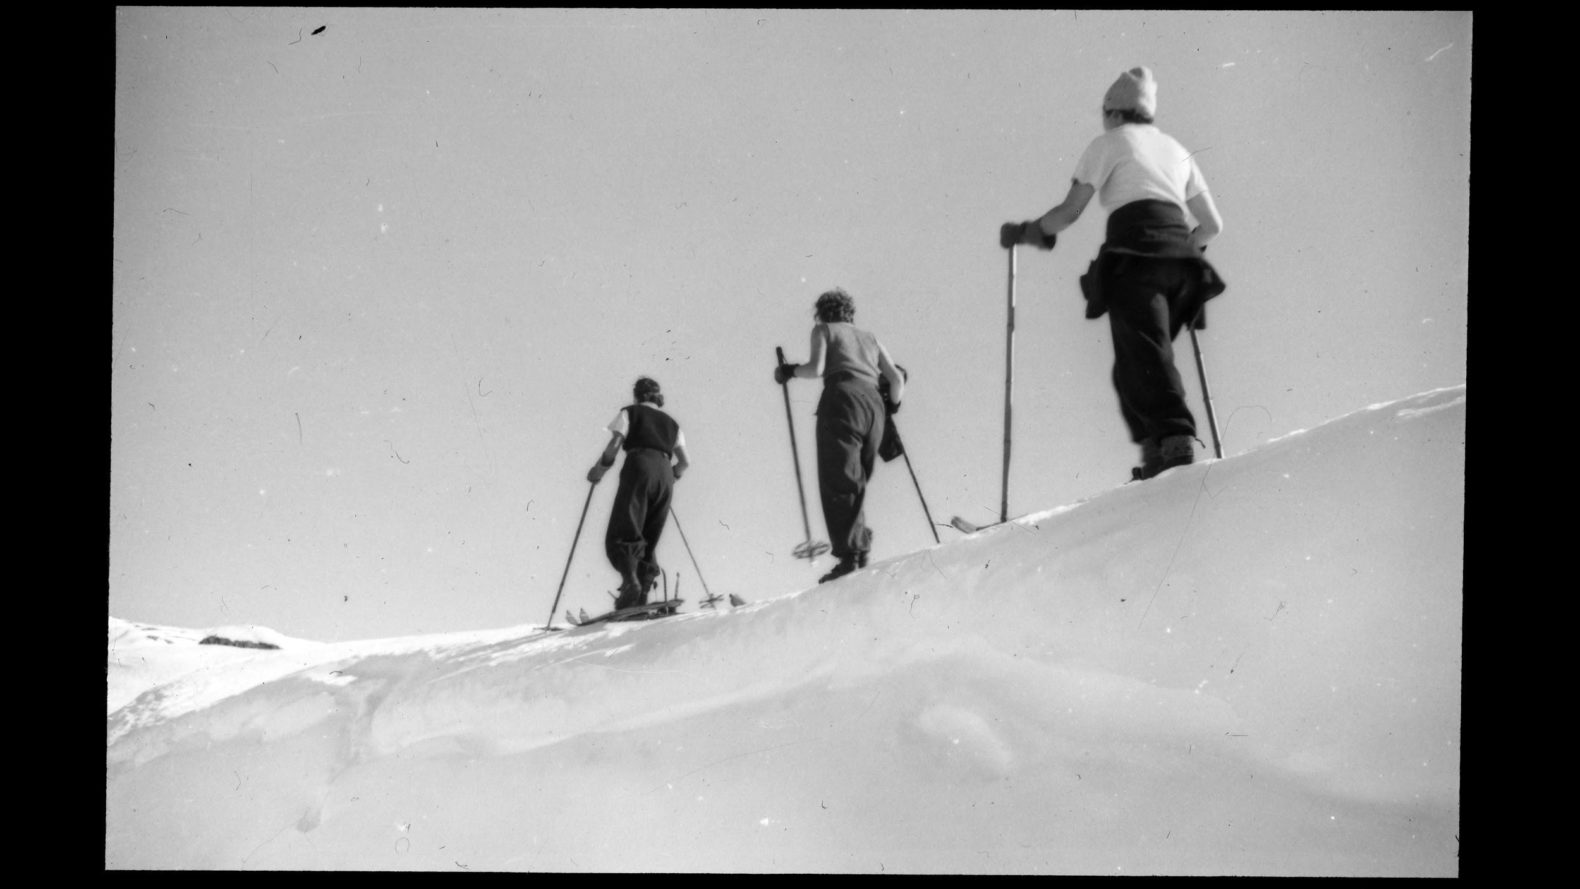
{"x": 1244, "y": 666}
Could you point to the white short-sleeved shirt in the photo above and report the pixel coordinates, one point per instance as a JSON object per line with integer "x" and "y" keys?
{"x": 621, "y": 424}
{"x": 1138, "y": 162}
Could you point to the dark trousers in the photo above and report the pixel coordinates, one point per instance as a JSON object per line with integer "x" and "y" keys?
{"x": 850, "y": 422}
{"x": 641, "y": 509}
{"x": 1147, "y": 299}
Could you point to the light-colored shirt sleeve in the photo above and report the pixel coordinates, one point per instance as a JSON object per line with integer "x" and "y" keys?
{"x": 621, "y": 424}
{"x": 1094, "y": 166}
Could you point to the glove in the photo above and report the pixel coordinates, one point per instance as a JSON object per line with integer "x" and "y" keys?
{"x": 1010, "y": 234}
{"x": 595, "y": 474}
{"x": 783, "y": 373}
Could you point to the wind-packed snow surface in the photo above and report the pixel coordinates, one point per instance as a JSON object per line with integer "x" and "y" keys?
{"x": 1244, "y": 666}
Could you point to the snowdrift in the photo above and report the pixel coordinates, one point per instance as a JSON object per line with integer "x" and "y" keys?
{"x": 1244, "y": 666}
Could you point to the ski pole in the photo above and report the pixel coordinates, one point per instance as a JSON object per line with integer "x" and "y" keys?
{"x": 905, "y": 452}
{"x": 810, "y": 549}
{"x": 1009, "y": 385}
{"x": 700, "y": 578}
{"x": 579, "y": 522}
{"x": 1206, "y": 394}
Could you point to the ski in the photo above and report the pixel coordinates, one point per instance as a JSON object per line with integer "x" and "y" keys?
{"x": 968, "y": 527}
{"x": 965, "y": 527}
{"x": 650, "y": 611}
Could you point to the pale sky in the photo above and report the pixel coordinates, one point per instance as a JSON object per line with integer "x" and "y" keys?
{"x": 382, "y": 276}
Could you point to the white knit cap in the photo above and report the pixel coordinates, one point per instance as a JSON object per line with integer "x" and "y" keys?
{"x": 1134, "y": 90}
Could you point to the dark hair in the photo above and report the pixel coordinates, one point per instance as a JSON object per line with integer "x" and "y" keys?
{"x": 1129, "y": 115}
{"x": 646, "y": 390}
{"x": 835, "y": 305}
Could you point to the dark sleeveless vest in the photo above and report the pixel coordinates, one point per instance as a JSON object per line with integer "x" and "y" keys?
{"x": 651, "y": 428}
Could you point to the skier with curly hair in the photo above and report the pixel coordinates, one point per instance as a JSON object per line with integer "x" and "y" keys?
{"x": 852, "y": 414}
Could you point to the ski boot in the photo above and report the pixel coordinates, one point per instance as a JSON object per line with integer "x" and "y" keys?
{"x": 1160, "y": 455}
{"x": 846, "y": 565}
{"x": 631, "y": 595}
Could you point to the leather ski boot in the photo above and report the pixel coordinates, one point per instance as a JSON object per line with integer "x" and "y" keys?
{"x": 846, "y": 565}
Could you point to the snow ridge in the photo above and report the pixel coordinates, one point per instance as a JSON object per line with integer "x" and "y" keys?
{"x": 1239, "y": 651}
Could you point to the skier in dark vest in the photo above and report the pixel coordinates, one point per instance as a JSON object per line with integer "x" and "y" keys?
{"x": 655, "y": 457}
{"x": 1150, "y": 275}
{"x": 851, "y": 418}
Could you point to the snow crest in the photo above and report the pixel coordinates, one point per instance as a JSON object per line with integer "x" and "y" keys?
{"x": 1248, "y": 665}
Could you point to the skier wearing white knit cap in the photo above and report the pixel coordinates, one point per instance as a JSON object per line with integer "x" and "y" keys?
{"x": 1150, "y": 276}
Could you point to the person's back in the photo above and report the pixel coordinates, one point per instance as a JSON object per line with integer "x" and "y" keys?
{"x": 649, "y": 426}
{"x": 851, "y": 354}
{"x": 1138, "y": 162}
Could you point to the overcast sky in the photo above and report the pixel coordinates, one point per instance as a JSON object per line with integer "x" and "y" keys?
{"x": 382, "y": 276}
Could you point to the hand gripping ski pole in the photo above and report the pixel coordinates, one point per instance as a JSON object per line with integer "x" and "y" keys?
{"x": 810, "y": 549}
{"x": 579, "y": 522}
